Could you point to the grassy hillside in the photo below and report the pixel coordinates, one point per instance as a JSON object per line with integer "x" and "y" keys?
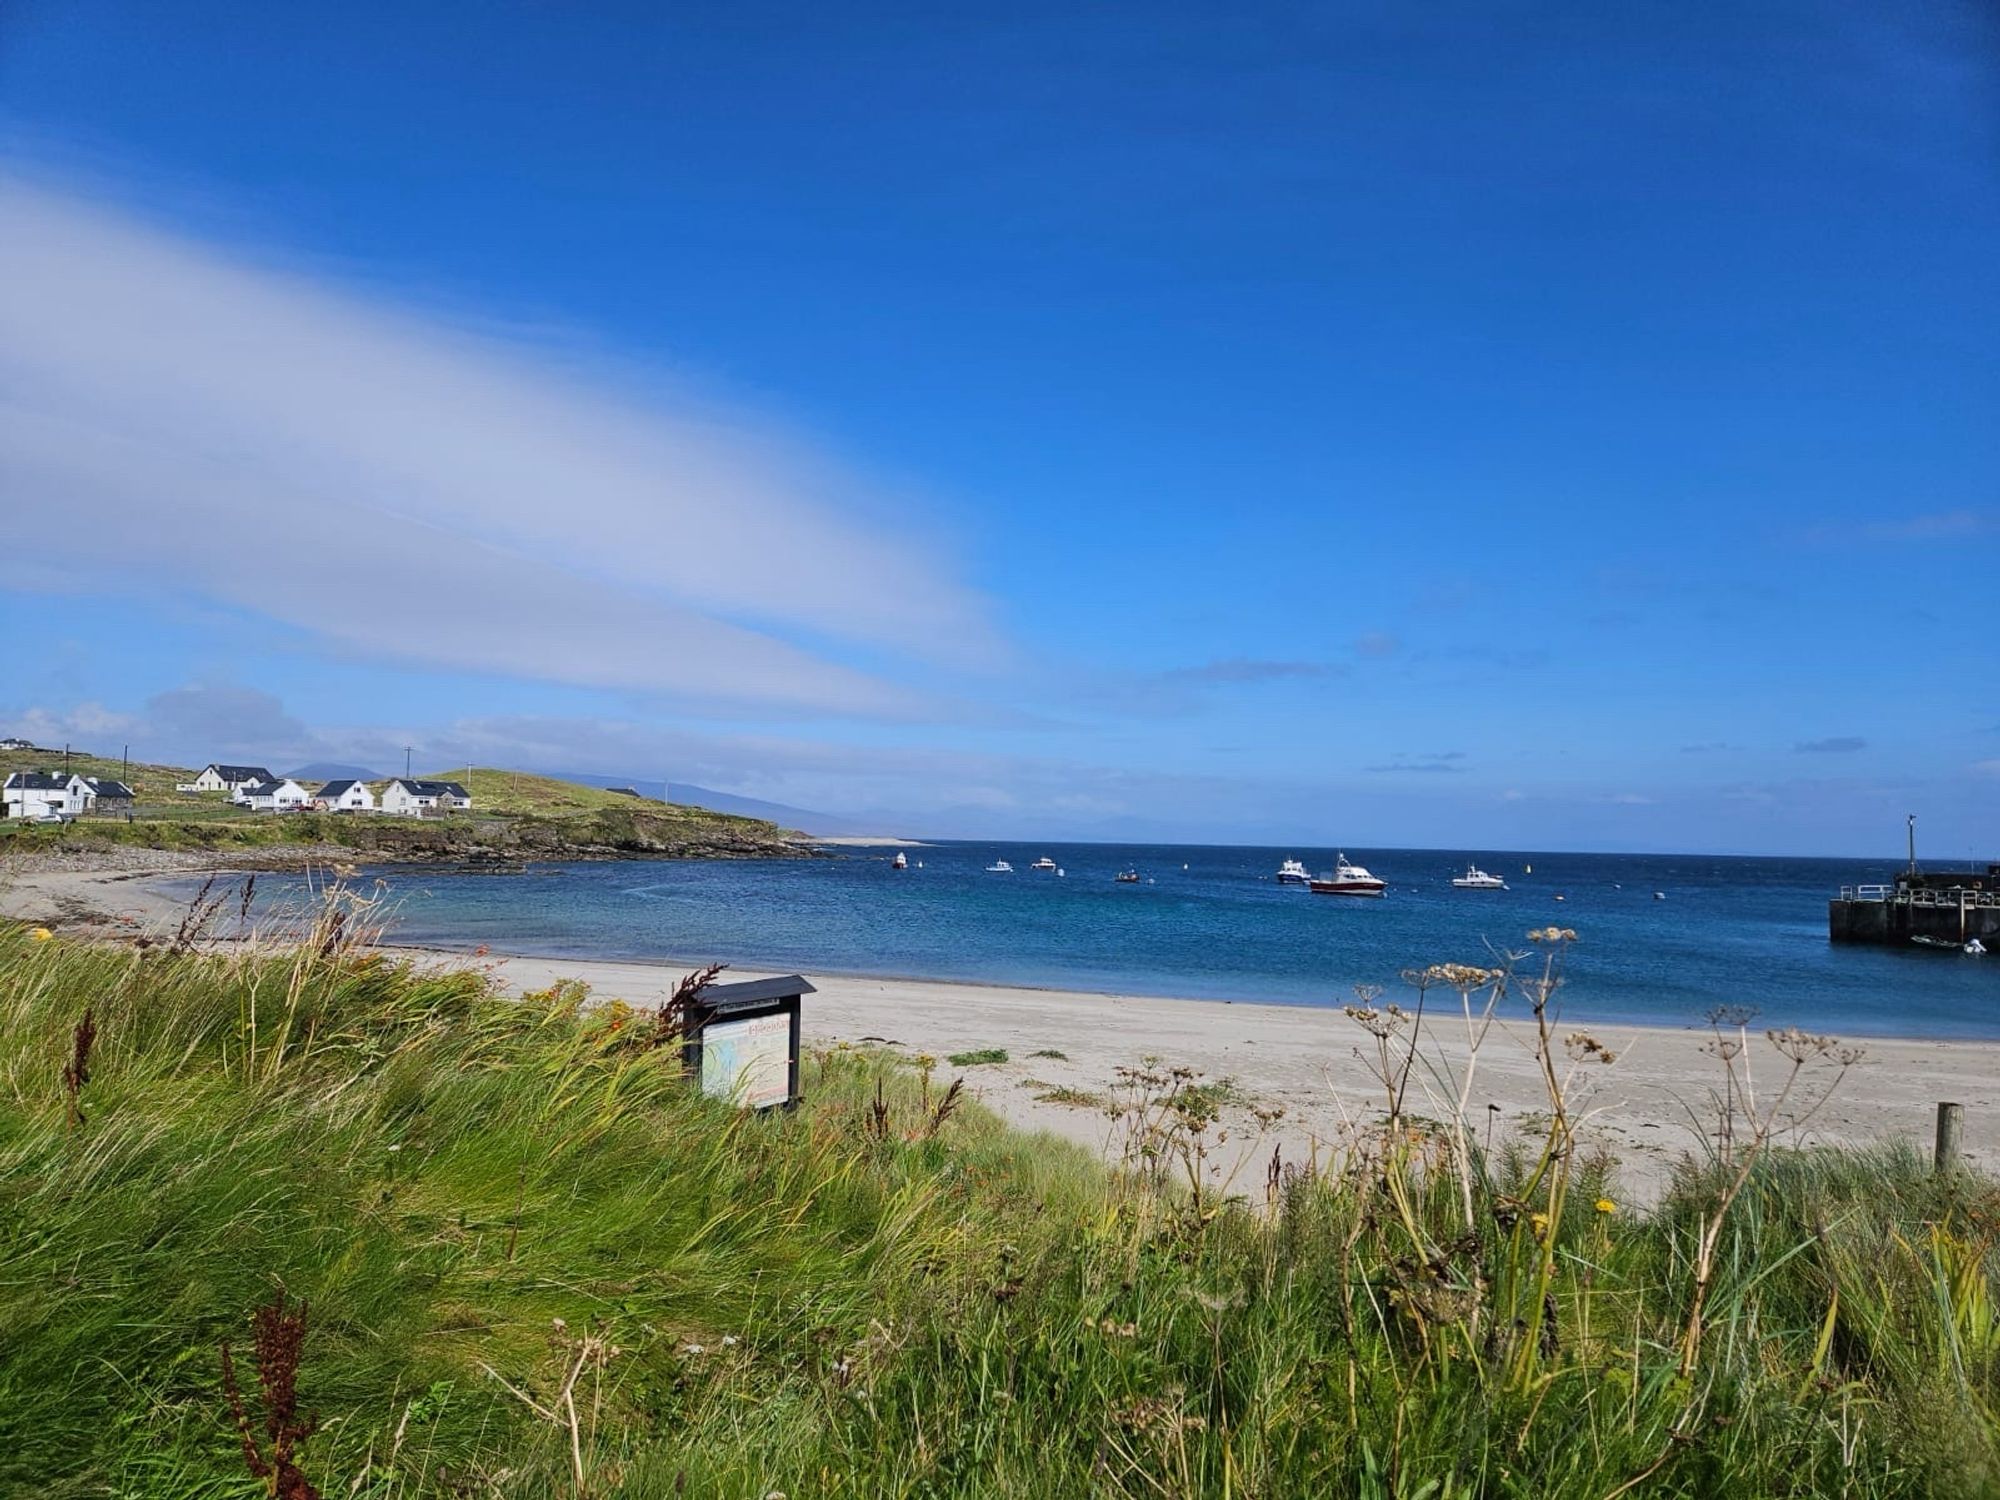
{"x": 502, "y": 791}
{"x": 537, "y": 1266}
{"x": 515, "y": 815}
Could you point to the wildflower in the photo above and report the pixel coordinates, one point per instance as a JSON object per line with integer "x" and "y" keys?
{"x": 1540, "y": 1223}
{"x": 1606, "y": 1206}
{"x": 41, "y": 934}
{"x": 730, "y": 1341}
{"x": 693, "y": 1350}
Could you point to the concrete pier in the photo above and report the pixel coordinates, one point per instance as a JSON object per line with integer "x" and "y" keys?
{"x": 1947, "y": 907}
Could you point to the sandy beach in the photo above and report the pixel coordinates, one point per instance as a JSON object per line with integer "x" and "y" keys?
{"x": 1646, "y": 1108}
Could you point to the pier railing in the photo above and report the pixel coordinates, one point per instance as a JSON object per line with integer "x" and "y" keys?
{"x": 1953, "y": 897}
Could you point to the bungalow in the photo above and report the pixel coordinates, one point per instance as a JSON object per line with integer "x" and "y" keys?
{"x": 417, "y": 799}
{"x": 45, "y": 794}
{"x": 344, "y": 796}
{"x": 274, "y": 796}
{"x": 221, "y": 778}
{"x": 15, "y": 742}
{"x": 108, "y": 796}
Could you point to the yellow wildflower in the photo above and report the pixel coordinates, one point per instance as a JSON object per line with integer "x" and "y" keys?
{"x": 41, "y": 934}
{"x": 1540, "y": 1222}
{"x": 1606, "y": 1206}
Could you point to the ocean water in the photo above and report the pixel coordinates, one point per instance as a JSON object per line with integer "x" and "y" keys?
{"x": 1211, "y": 922}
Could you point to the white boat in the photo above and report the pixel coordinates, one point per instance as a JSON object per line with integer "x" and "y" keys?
{"x": 999, "y": 867}
{"x": 1476, "y": 879}
{"x": 1347, "y": 880}
{"x": 1127, "y": 877}
{"x": 1291, "y": 872}
{"x": 900, "y": 862}
{"x": 1044, "y": 863}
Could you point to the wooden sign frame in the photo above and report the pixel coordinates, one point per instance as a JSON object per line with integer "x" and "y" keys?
{"x": 754, "y": 1000}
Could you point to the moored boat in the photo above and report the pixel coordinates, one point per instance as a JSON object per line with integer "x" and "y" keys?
{"x": 1291, "y": 872}
{"x": 999, "y": 867}
{"x": 1044, "y": 863}
{"x": 1476, "y": 879}
{"x": 1347, "y": 880}
{"x": 900, "y": 862}
{"x": 1127, "y": 877}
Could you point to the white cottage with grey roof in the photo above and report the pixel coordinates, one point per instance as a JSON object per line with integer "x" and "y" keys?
{"x": 345, "y": 796}
{"x": 46, "y": 794}
{"x": 416, "y": 799}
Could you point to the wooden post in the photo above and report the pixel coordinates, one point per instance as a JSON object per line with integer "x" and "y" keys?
{"x": 1949, "y": 1118}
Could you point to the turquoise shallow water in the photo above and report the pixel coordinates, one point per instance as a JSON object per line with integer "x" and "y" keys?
{"x": 1210, "y": 922}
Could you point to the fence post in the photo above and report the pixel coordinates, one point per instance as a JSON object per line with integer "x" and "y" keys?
{"x": 1949, "y": 1118}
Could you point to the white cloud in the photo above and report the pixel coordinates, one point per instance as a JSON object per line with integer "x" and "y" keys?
{"x": 401, "y": 488}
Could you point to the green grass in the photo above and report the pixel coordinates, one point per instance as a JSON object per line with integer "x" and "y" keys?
{"x": 495, "y": 790}
{"x": 842, "y": 1301}
{"x": 978, "y": 1057}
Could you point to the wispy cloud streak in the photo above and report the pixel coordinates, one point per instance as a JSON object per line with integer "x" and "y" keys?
{"x": 400, "y": 487}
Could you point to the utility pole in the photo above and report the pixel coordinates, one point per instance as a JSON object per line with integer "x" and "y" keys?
{"x": 406, "y": 762}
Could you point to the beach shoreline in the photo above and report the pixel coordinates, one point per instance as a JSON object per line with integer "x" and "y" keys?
{"x": 1065, "y": 1049}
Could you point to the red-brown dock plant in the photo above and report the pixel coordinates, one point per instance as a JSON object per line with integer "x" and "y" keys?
{"x": 279, "y": 1338}
{"x": 76, "y": 1072}
{"x": 670, "y": 1020}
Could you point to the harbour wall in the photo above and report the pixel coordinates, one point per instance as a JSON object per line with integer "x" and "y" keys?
{"x": 1897, "y": 923}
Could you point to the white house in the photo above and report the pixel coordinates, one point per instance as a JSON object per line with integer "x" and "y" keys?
{"x": 221, "y": 778}
{"x": 15, "y": 742}
{"x": 45, "y": 794}
{"x": 345, "y": 796}
{"x": 417, "y": 799}
{"x": 274, "y": 796}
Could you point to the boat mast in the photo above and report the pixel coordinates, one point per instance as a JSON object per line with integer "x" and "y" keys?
{"x": 1913, "y": 843}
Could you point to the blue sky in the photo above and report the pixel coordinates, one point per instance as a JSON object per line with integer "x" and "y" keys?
{"x": 1502, "y": 425}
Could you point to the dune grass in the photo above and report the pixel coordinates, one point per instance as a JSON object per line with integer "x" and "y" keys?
{"x": 534, "y": 1264}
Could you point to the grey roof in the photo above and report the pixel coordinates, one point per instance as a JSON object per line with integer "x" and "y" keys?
{"x": 335, "y": 789}
{"x": 434, "y": 788}
{"x": 38, "y": 781}
{"x": 242, "y": 773}
{"x": 104, "y": 786}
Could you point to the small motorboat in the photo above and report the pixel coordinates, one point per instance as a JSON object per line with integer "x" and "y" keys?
{"x": 1347, "y": 880}
{"x": 1975, "y": 949}
{"x": 1127, "y": 877}
{"x": 999, "y": 867}
{"x": 1044, "y": 863}
{"x": 1476, "y": 879}
{"x": 900, "y": 862}
{"x": 1291, "y": 872}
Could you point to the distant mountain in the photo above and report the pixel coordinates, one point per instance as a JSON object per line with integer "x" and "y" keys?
{"x": 803, "y": 819}
{"x": 327, "y": 770}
